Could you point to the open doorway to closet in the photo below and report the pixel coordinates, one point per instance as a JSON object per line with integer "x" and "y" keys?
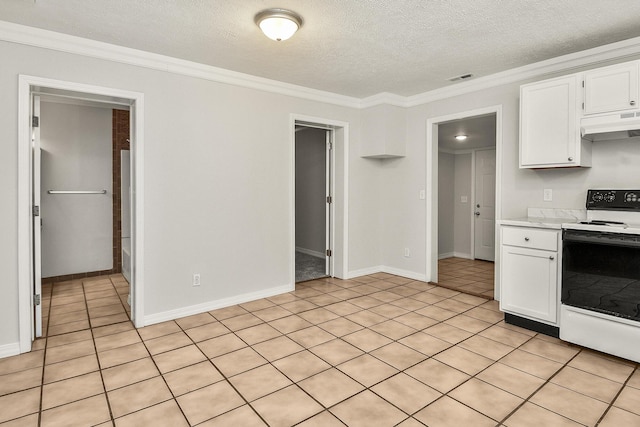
{"x": 313, "y": 199}
{"x": 464, "y": 150}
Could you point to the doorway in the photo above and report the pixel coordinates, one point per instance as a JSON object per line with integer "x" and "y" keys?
{"x": 313, "y": 222}
{"x": 29, "y": 230}
{"x": 463, "y": 200}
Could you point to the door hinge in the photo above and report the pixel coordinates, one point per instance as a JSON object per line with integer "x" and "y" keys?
{"x": 36, "y": 299}
{"x": 35, "y": 121}
{"x": 583, "y": 105}
{"x": 583, "y": 83}
{"x": 330, "y": 145}
{"x": 36, "y": 211}
{"x": 328, "y": 252}
{"x": 329, "y": 199}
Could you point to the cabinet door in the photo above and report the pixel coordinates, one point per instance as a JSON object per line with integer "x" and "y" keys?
{"x": 611, "y": 89}
{"x": 529, "y": 282}
{"x": 549, "y": 134}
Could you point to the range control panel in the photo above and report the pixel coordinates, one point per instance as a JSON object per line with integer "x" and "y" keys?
{"x": 614, "y": 200}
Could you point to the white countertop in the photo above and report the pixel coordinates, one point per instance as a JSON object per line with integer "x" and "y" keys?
{"x": 553, "y": 223}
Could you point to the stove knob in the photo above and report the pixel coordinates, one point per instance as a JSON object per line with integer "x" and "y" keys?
{"x": 609, "y": 197}
{"x": 597, "y": 197}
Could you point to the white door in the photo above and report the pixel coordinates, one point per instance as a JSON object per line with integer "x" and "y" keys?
{"x": 485, "y": 208}
{"x": 328, "y": 162}
{"x": 37, "y": 221}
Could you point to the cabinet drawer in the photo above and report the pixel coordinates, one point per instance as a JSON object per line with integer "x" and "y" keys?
{"x": 530, "y": 238}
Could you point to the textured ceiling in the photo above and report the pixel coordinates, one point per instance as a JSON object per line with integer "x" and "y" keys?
{"x": 351, "y": 47}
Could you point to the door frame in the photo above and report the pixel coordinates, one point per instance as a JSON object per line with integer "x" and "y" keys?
{"x": 79, "y": 91}
{"x": 339, "y": 190}
{"x": 432, "y": 186}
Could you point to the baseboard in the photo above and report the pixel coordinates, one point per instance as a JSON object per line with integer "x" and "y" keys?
{"x": 446, "y": 255}
{"x": 390, "y": 270}
{"x": 311, "y": 252}
{"x": 8, "y": 350}
{"x": 214, "y": 305}
{"x": 462, "y": 255}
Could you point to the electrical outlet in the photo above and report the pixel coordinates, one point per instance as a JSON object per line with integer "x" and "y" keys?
{"x": 547, "y": 194}
{"x": 407, "y": 252}
{"x": 196, "y": 279}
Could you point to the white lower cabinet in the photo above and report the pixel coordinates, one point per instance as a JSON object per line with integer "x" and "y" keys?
{"x": 529, "y": 273}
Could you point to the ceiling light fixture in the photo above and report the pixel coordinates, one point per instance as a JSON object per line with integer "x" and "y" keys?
{"x": 461, "y": 137}
{"x": 278, "y": 24}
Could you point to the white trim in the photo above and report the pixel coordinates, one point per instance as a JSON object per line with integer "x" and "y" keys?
{"x": 25, "y": 275}
{"x": 404, "y": 273}
{"x": 216, "y": 304}
{"x": 310, "y": 252}
{"x": 364, "y": 272}
{"x": 446, "y": 255}
{"x": 455, "y": 255}
{"x": 30, "y": 36}
{"x": 431, "y": 185}
{"x": 8, "y": 350}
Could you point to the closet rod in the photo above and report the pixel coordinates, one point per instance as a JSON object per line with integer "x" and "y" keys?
{"x": 77, "y": 192}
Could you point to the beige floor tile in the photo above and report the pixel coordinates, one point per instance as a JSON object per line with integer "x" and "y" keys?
{"x": 406, "y": 393}
{"x": 586, "y": 383}
{"x": 343, "y": 308}
{"x": 121, "y": 355}
{"x": 179, "y": 358}
{"x": 70, "y": 351}
{"x": 616, "y": 417}
{"x": 463, "y": 360}
{"x": 221, "y": 345}
{"x": 393, "y": 329}
{"x": 67, "y": 308}
{"x": 69, "y": 338}
{"x": 436, "y": 313}
{"x": 530, "y": 363}
{"x": 601, "y": 365}
{"x": 192, "y": 377}
{"x": 634, "y": 381}
{"x": 301, "y": 365}
{"x": 410, "y": 422}
{"x": 209, "y": 402}
{"x": 129, "y": 373}
{"x": 425, "y": 343}
{"x": 486, "y": 347}
{"x": 416, "y": 321}
{"x": 243, "y": 416}
{"x": 70, "y": 390}
{"x": 486, "y": 399}
{"x": 467, "y": 323}
{"x": 207, "y": 331}
{"x": 290, "y": 324}
{"x": 106, "y": 310}
{"x": 367, "y": 370}
{"x": 399, "y": 356}
{"x": 257, "y": 305}
{"x": 113, "y": 329}
{"x": 227, "y": 312}
{"x": 167, "y": 413}
{"x": 17, "y": 405}
{"x": 448, "y": 333}
{"x": 258, "y": 333}
{"x": 576, "y": 406}
{"x": 272, "y": 313}
{"x": 241, "y": 322}
{"x": 318, "y": 315}
{"x": 73, "y": 316}
{"x": 109, "y": 320}
{"x": 367, "y": 340}
{"x": 330, "y": 387}
{"x": 158, "y": 330}
{"x": 86, "y": 412}
{"x": 259, "y": 382}
{"x": 277, "y": 348}
{"x": 70, "y": 368}
{"x": 286, "y": 407}
{"x": 366, "y": 409}
{"x": 138, "y": 396}
{"x": 446, "y": 412}
{"x": 323, "y": 419}
{"x": 104, "y": 302}
{"x": 311, "y": 336}
{"x": 510, "y": 379}
{"x": 298, "y": 306}
{"x": 489, "y": 316}
{"x": 195, "y": 320}
{"x": 505, "y": 336}
{"x": 530, "y": 415}
{"x": 336, "y": 352}
{"x": 454, "y": 305}
{"x": 21, "y": 380}
{"x": 340, "y": 327}
{"x": 67, "y": 327}
{"x": 629, "y": 399}
{"x": 120, "y": 339}
{"x": 366, "y": 318}
{"x": 168, "y": 342}
{"x": 437, "y": 375}
{"x": 558, "y": 352}
{"x": 28, "y": 421}
{"x": 238, "y": 361}
{"x": 390, "y": 311}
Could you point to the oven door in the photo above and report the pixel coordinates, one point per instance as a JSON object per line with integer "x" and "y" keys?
{"x": 601, "y": 272}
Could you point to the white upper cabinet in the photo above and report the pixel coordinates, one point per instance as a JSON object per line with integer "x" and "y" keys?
{"x": 549, "y": 124}
{"x": 611, "y": 89}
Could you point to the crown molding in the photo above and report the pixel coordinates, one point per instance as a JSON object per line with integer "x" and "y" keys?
{"x": 602, "y": 55}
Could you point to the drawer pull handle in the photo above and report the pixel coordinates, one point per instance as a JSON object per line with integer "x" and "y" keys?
{"x": 552, "y": 257}
{"x": 526, "y": 239}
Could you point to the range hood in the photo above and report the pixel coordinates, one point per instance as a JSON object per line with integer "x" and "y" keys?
{"x": 611, "y": 126}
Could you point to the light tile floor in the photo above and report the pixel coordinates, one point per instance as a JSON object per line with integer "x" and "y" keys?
{"x": 379, "y": 350}
{"x": 475, "y": 277}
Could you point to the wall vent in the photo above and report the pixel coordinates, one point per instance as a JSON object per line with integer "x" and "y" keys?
{"x": 462, "y": 77}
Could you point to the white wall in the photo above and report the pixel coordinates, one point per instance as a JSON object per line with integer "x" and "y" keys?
{"x": 217, "y": 177}
{"x": 77, "y": 232}
{"x": 446, "y": 203}
{"x": 311, "y": 190}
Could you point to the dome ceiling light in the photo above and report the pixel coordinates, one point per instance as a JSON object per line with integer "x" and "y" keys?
{"x": 461, "y": 137}
{"x": 278, "y": 24}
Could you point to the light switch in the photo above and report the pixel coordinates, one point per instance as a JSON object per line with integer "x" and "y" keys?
{"x": 463, "y": 199}
{"x": 548, "y": 194}
{"x": 422, "y": 195}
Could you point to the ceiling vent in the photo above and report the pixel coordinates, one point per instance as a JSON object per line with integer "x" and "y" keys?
{"x": 462, "y": 77}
